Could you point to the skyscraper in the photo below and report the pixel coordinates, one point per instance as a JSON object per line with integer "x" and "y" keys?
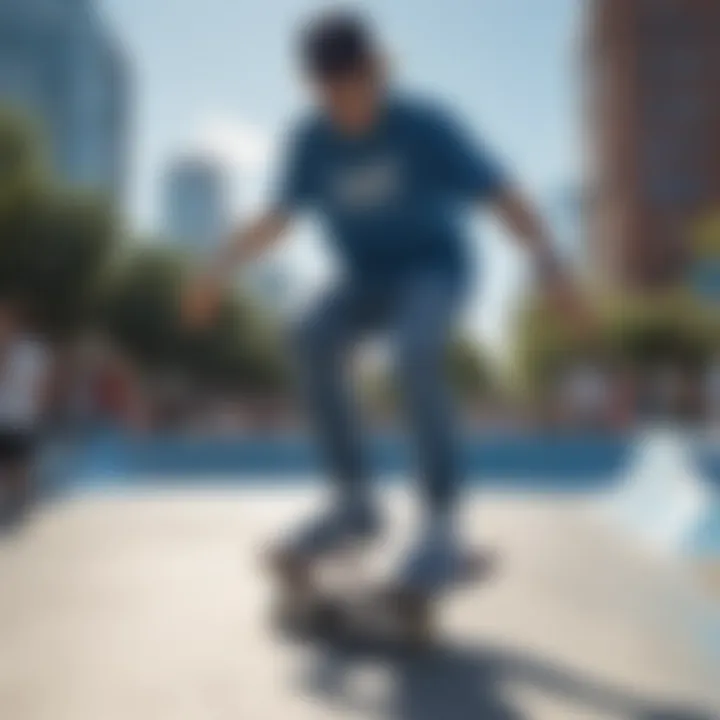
{"x": 58, "y": 63}
{"x": 653, "y": 113}
{"x": 196, "y": 203}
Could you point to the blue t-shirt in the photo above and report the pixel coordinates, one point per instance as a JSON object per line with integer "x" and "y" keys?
{"x": 394, "y": 200}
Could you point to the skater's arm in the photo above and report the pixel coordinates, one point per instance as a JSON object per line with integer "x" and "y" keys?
{"x": 528, "y": 228}
{"x": 250, "y": 242}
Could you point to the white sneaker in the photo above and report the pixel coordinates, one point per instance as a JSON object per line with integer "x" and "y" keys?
{"x": 437, "y": 560}
{"x": 341, "y": 525}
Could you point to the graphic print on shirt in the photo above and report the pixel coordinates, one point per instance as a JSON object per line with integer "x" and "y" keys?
{"x": 372, "y": 184}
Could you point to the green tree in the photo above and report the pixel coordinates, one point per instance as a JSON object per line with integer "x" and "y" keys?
{"x": 543, "y": 346}
{"x": 140, "y": 308}
{"x": 53, "y": 243}
{"x": 21, "y": 166}
{"x": 239, "y": 350}
{"x": 57, "y": 254}
{"x": 640, "y": 332}
{"x": 675, "y": 328}
{"x": 470, "y": 373}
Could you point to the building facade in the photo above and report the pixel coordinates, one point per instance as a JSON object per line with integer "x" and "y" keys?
{"x": 196, "y": 203}
{"x": 652, "y": 81}
{"x": 58, "y": 64}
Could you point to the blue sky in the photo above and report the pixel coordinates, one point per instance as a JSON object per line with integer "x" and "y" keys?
{"x": 218, "y": 75}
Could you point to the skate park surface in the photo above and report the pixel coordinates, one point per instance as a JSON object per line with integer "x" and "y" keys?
{"x": 153, "y": 603}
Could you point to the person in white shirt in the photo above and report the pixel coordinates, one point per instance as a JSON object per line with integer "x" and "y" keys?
{"x": 24, "y": 375}
{"x": 584, "y": 394}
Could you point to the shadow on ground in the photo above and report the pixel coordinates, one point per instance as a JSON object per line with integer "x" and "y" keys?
{"x": 453, "y": 682}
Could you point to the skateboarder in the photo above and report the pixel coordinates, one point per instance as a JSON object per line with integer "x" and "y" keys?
{"x": 393, "y": 178}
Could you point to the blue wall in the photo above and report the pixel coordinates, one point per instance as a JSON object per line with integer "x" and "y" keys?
{"x": 542, "y": 462}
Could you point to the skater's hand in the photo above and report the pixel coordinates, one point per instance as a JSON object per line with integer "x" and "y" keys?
{"x": 202, "y": 298}
{"x": 201, "y": 301}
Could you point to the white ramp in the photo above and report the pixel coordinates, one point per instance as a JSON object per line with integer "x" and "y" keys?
{"x": 665, "y": 501}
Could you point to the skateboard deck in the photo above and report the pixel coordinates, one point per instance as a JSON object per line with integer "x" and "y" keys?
{"x": 371, "y": 609}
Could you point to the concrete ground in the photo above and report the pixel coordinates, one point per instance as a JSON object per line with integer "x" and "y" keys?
{"x": 154, "y": 607}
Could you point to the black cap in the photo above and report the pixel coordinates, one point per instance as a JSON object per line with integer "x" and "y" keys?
{"x": 337, "y": 43}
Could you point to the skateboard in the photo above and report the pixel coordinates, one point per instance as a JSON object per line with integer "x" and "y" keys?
{"x": 363, "y": 608}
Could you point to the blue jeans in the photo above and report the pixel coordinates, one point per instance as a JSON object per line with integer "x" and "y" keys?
{"x": 417, "y": 314}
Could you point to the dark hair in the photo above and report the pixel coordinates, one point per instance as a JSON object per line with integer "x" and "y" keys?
{"x": 336, "y": 44}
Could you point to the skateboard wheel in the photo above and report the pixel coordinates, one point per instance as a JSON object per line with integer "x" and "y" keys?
{"x": 327, "y": 615}
{"x": 414, "y": 615}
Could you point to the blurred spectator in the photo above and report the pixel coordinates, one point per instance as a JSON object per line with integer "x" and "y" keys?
{"x": 25, "y": 367}
{"x": 171, "y": 401}
{"x": 584, "y": 397}
{"x": 623, "y": 406}
{"x": 673, "y": 394}
{"x": 99, "y": 389}
{"x": 668, "y": 391}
